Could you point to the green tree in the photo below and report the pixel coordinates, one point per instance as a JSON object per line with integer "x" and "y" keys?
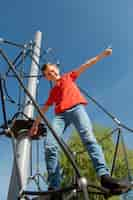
{"x": 84, "y": 162}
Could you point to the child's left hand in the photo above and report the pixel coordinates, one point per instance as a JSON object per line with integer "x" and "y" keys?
{"x": 107, "y": 52}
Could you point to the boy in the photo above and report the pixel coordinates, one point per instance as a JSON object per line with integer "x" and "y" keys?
{"x": 69, "y": 109}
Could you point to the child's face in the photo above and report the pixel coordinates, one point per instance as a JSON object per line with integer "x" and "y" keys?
{"x": 52, "y": 73}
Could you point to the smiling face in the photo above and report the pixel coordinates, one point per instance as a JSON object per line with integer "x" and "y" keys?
{"x": 51, "y": 72}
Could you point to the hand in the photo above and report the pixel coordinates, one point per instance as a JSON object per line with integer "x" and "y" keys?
{"x": 33, "y": 131}
{"x": 107, "y": 52}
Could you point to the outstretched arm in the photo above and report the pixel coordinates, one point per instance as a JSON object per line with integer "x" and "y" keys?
{"x": 93, "y": 61}
{"x": 34, "y": 129}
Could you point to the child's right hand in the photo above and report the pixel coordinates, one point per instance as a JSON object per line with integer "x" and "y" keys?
{"x": 34, "y": 129}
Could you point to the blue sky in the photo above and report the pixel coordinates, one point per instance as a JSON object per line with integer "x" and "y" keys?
{"x": 76, "y": 30}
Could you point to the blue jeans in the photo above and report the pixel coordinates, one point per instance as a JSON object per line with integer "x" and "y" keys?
{"x": 79, "y": 118}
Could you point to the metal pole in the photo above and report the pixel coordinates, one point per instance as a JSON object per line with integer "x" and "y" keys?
{"x": 3, "y": 103}
{"x": 23, "y": 148}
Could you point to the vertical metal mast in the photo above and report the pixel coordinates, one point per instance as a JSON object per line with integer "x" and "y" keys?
{"x": 23, "y": 147}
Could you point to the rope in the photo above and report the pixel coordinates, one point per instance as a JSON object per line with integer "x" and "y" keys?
{"x": 9, "y": 98}
{"x": 15, "y": 60}
{"x": 126, "y": 158}
{"x": 115, "y": 153}
{"x": 20, "y": 91}
{"x": 3, "y": 103}
{"x": 105, "y": 111}
{"x": 67, "y": 189}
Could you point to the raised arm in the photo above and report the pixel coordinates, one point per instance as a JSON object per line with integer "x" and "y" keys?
{"x": 93, "y": 61}
{"x": 34, "y": 129}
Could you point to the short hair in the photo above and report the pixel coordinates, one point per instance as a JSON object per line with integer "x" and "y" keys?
{"x": 44, "y": 66}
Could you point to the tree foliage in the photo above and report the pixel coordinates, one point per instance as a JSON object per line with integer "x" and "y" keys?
{"x": 84, "y": 162}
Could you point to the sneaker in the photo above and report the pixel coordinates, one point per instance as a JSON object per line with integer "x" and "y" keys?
{"x": 115, "y": 186}
{"x": 54, "y": 195}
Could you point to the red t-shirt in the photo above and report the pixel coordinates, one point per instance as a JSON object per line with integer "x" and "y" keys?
{"x": 65, "y": 94}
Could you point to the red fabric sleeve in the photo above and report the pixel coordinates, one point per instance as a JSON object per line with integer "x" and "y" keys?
{"x": 49, "y": 101}
{"x": 73, "y": 75}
